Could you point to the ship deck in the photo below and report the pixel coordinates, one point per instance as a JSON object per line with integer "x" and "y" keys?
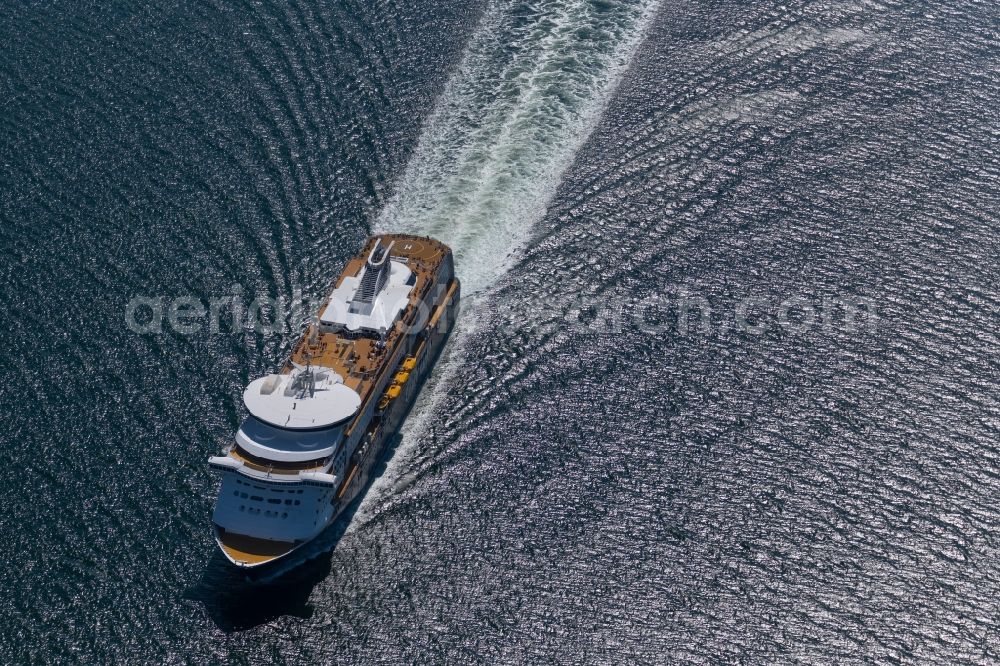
{"x": 250, "y": 551}
{"x": 359, "y": 359}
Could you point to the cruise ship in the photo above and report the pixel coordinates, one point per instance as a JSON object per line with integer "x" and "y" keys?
{"x": 315, "y": 429}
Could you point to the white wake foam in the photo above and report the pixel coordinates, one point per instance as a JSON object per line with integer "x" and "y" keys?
{"x": 533, "y": 83}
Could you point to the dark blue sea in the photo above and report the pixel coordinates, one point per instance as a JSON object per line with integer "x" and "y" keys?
{"x": 725, "y": 387}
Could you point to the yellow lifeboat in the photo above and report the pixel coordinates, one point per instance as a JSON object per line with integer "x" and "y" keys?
{"x": 387, "y": 397}
{"x": 409, "y": 363}
{"x": 401, "y": 377}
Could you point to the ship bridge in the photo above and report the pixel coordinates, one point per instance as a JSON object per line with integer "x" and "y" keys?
{"x": 297, "y": 416}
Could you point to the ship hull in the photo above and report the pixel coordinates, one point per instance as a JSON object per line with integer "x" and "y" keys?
{"x": 368, "y": 456}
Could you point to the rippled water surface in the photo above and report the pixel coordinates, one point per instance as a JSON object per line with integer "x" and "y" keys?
{"x": 656, "y": 435}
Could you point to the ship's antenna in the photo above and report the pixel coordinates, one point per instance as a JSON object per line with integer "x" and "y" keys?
{"x": 304, "y": 380}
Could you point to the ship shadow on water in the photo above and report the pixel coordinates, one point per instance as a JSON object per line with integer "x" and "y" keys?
{"x": 236, "y": 603}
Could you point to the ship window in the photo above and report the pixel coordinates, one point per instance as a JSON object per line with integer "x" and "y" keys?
{"x": 284, "y": 515}
{"x": 289, "y": 502}
{"x": 243, "y": 507}
{"x": 243, "y": 495}
{"x": 297, "y": 502}
{"x": 273, "y": 500}
{"x": 255, "y": 498}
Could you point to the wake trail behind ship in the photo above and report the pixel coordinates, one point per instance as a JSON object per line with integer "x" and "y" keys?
{"x": 533, "y": 83}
